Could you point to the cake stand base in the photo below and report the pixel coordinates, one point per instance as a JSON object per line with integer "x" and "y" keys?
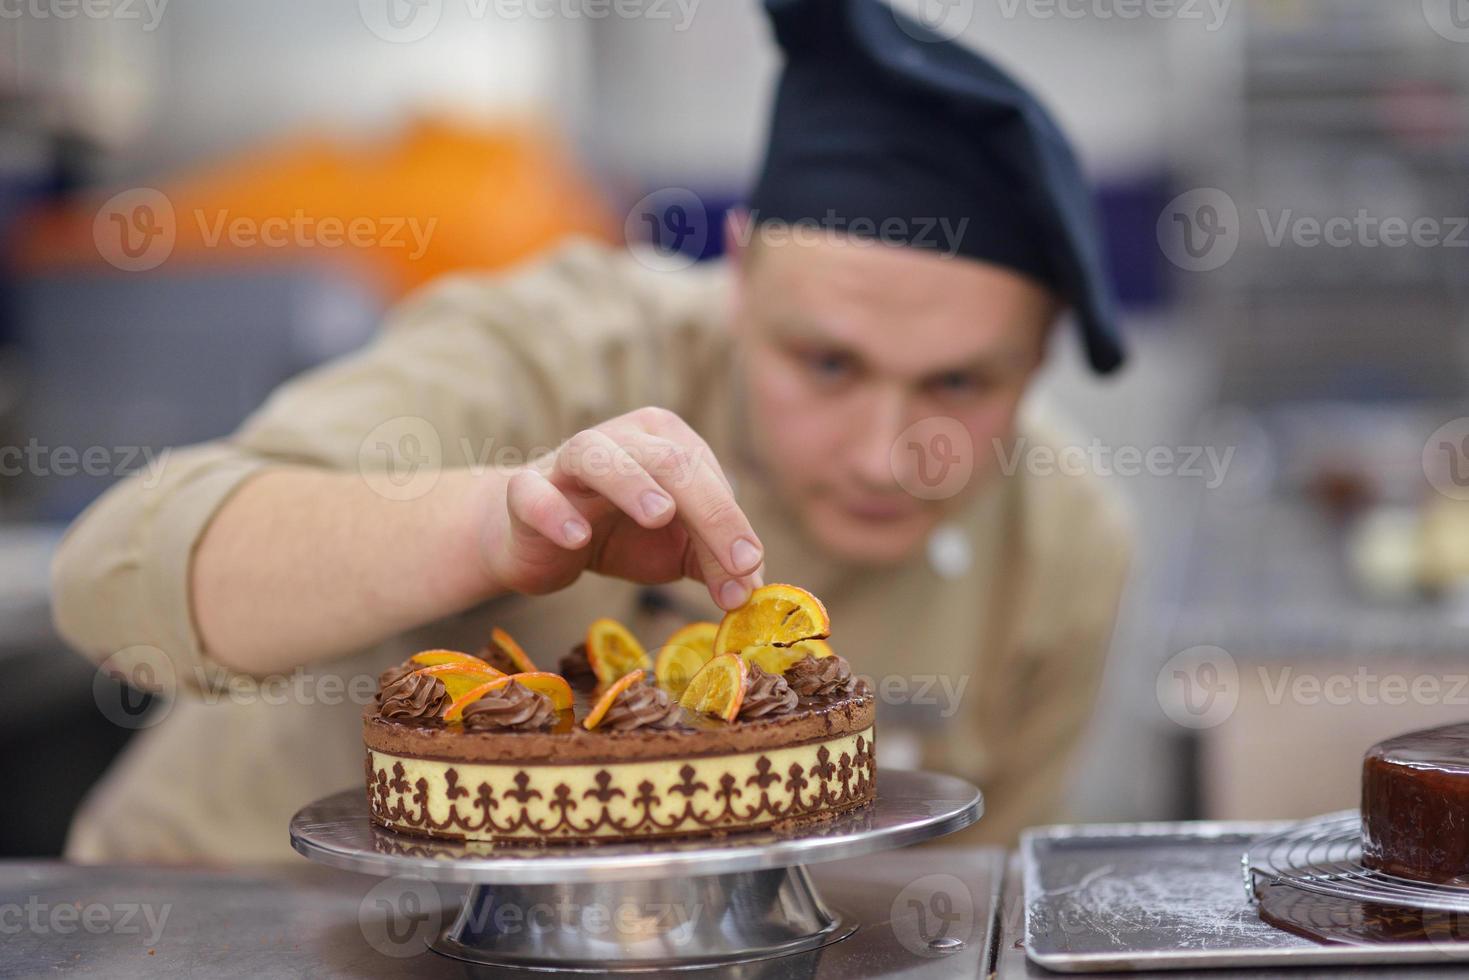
{"x": 650, "y": 906}
{"x": 653, "y": 925}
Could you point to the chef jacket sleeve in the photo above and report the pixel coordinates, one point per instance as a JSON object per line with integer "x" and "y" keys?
{"x": 490, "y": 367}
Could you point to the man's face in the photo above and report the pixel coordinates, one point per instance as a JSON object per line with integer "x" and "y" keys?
{"x": 847, "y": 344}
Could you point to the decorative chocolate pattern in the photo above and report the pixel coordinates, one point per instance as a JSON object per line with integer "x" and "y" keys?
{"x": 707, "y": 794}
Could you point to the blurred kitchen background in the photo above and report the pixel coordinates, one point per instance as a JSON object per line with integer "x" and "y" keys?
{"x": 1333, "y": 545}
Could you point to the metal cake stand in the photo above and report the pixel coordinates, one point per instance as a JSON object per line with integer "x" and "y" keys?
{"x": 640, "y": 907}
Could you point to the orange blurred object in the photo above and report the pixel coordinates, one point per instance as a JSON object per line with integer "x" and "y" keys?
{"x": 437, "y": 197}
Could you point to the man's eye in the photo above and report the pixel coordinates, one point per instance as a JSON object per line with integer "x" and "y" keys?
{"x": 828, "y": 365}
{"x": 957, "y": 383}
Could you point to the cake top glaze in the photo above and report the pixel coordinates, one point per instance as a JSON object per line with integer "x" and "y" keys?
{"x": 1444, "y": 749}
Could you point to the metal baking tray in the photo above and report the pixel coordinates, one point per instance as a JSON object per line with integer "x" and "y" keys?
{"x": 1167, "y": 896}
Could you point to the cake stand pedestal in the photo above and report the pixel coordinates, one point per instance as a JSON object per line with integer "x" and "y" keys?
{"x": 640, "y": 907}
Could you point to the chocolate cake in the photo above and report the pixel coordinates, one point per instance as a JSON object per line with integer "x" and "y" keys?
{"x": 1415, "y": 806}
{"x": 598, "y": 755}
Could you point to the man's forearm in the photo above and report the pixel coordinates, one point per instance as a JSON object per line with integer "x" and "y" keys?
{"x": 301, "y": 565}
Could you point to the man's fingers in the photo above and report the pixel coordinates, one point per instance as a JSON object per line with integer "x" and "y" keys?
{"x": 671, "y": 426}
{"x": 595, "y": 460}
{"x": 652, "y": 478}
{"x": 705, "y": 504}
{"x": 537, "y": 507}
{"x": 728, "y": 592}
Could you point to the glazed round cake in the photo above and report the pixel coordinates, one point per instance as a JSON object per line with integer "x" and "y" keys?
{"x": 626, "y": 754}
{"x": 1415, "y": 806}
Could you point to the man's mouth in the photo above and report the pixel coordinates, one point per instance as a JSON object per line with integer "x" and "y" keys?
{"x": 880, "y": 509}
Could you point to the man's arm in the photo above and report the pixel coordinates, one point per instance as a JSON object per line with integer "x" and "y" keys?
{"x": 303, "y": 564}
{"x": 305, "y": 535}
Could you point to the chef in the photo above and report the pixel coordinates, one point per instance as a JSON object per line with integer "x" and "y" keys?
{"x": 839, "y": 404}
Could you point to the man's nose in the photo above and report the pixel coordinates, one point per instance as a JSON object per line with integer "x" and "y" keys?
{"x": 877, "y": 428}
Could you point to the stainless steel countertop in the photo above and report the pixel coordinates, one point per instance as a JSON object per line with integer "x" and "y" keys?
{"x": 303, "y": 920}
{"x": 298, "y": 921}
{"x": 1011, "y": 964}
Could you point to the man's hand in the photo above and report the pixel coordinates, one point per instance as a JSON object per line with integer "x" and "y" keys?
{"x": 639, "y": 497}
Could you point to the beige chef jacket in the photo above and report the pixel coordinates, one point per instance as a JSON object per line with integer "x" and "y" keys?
{"x": 986, "y": 651}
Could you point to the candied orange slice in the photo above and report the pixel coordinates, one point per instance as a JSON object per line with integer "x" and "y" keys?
{"x": 774, "y": 615}
{"x": 456, "y": 709}
{"x": 681, "y": 657}
{"x": 778, "y": 660}
{"x": 437, "y": 658}
{"x": 609, "y": 697}
{"x": 512, "y": 650}
{"x": 459, "y": 678}
{"x": 814, "y": 648}
{"x": 718, "y": 688}
{"x": 553, "y": 686}
{"x": 613, "y": 651}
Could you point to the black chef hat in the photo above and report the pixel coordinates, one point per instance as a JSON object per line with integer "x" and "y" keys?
{"x": 884, "y": 128}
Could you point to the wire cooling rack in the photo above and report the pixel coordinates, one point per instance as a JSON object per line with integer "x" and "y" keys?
{"x": 1324, "y": 855}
